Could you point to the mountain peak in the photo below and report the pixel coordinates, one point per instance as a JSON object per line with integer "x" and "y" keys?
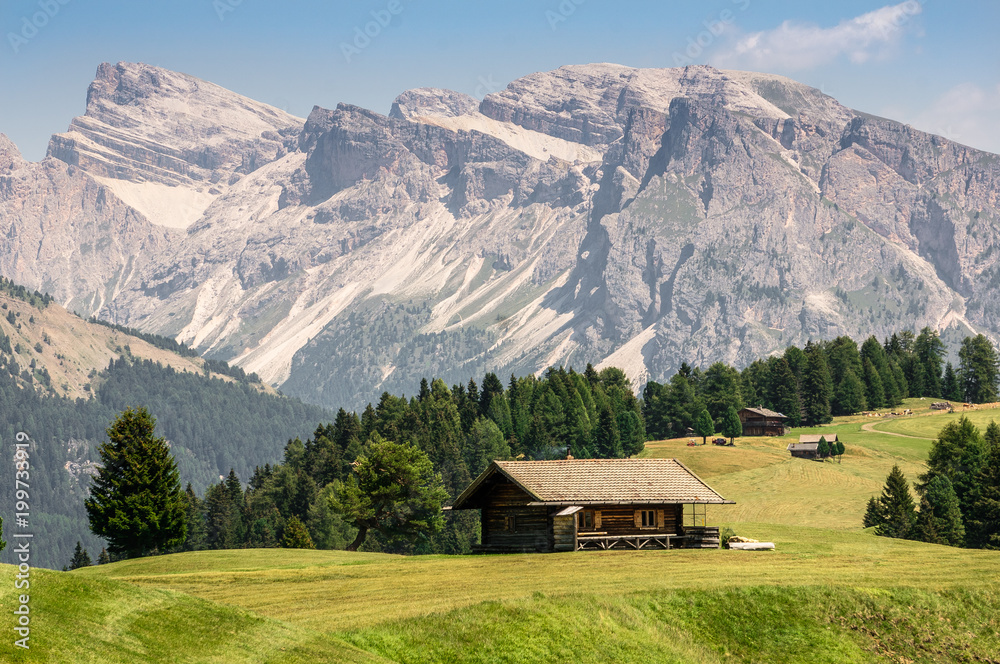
{"x": 149, "y": 124}
{"x": 10, "y": 156}
{"x": 432, "y": 102}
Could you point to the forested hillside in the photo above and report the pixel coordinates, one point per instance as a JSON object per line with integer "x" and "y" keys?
{"x": 52, "y": 388}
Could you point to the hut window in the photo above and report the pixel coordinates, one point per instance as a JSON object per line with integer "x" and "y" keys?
{"x": 648, "y": 518}
{"x": 510, "y": 523}
{"x": 585, "y": 519}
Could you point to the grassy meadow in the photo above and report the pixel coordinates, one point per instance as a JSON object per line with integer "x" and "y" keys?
{"x": 830, "y": 592}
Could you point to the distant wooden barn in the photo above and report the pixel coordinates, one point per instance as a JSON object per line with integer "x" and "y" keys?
{"x": 808, "y": 445}
{"x": 763, "y": 422}
{"x": 576, "y": 504}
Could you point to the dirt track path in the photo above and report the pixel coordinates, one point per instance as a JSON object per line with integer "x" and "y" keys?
{"x": 870, "y": 427}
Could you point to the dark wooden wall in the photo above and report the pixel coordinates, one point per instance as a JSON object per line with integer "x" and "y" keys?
{"x": 532, "y": 531}
{"x": 621, "y": 520}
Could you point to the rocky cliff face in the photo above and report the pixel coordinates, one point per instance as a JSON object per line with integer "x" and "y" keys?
{"x": 595, "y": 213}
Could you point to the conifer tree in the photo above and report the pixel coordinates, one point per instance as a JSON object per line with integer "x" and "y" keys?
{"x": 194, "y": 517}
{"x": 785, "y": 392}
{"x": 992, "y": 436}
{"x": 895, "y": 514}
{"x": 654, "y": 410}
{"x": 823, "y": 449}
{"x": 840, "y": 451}
{"x": 680, "y": 405}
{"x": 978, "y": 370}
{"x": 80, "y": 558}
{"x": 874, "y": 391}
{"x": 296, "y": 535}
{"x": 103, "y": 558}
{"x": 874, "y": 515}
{"x": 607, "y": 439}
{"x": 817, "y": 386}
{"x": 940, "y": 518}
{"x": 850, "y": 395}
{"x": 631, "y": 433}
{"x": 950, "y": 386}
{"x": 135, "y": 498}
{"x": 394, "y": 491}
{"x": 959, "y": 454}
{"x": 983, "y": 520}
{"x": 930, "y": 352}
{"x": 720, "y": 389}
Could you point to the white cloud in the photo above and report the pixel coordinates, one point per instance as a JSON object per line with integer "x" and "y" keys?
{"x": 967, "y": 114}
{"x": 795, "y": 46}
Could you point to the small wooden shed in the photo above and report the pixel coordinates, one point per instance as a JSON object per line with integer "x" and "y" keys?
{"x": 808, "y": 445}
{"x": 761, "y": 421}
{"x": 576, "y": 504}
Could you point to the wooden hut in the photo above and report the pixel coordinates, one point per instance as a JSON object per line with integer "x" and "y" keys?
{"x": 763, "y": 422}
{"x": 808, "y": 445}
{"x": 575, "y": 504}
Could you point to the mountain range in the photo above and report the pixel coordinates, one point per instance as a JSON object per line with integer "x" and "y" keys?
{"x": 596, "y": 213}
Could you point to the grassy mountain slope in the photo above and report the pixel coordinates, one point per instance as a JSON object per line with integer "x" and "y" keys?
{"x": 828, "y": 593}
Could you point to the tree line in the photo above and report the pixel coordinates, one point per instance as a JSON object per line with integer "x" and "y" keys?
{"x": 318, "y": 488}
{"x": 325, "y": 492}
{"x": 959, "y": 494}
{"x": 810, "y": 385}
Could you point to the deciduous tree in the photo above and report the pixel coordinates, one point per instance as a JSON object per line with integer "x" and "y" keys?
{"x": 731, "y": 425}
{"x": 703, "y": 425}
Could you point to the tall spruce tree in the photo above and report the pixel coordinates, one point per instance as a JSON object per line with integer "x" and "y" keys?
{"x": 135, "y": 499}
{"x": 959, "y": 454}
{"x": 849, "y": 397}
{"x": 983, "y": 522}
{"x": 950, "y": 386}
{"x": 785, "y": 397}
{"x": 80, "y": 558}
{"x": 874, "y": 391}
{"x": 895, "y": 514}
{"x": 940, "y": 518}
{"x": 194, "y": 517}
{"x": 817, "y": 386}
{"x": 607, "y": 438}
{"x": 978, "y": 370}
{"x": 930, "y": 352}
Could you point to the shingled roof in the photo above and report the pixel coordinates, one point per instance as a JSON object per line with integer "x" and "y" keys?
{"x": 600, "y": 481}
{"x": 814, "y": 438}
{"x": 765, "y": 412}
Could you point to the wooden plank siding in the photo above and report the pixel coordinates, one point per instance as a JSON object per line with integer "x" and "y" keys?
{"x": 623, "y": 519}
{"x": 531, "y": 531}
{"x": 564, "y": 533}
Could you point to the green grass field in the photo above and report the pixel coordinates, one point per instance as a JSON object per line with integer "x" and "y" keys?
{"x": 830, "y": 592}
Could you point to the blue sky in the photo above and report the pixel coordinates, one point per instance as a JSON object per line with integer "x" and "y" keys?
{"x": 932, "y": 64}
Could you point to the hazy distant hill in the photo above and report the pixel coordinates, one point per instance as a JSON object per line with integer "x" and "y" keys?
{"x": 63, "y": 380}
{"x": 593, "y": 213}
